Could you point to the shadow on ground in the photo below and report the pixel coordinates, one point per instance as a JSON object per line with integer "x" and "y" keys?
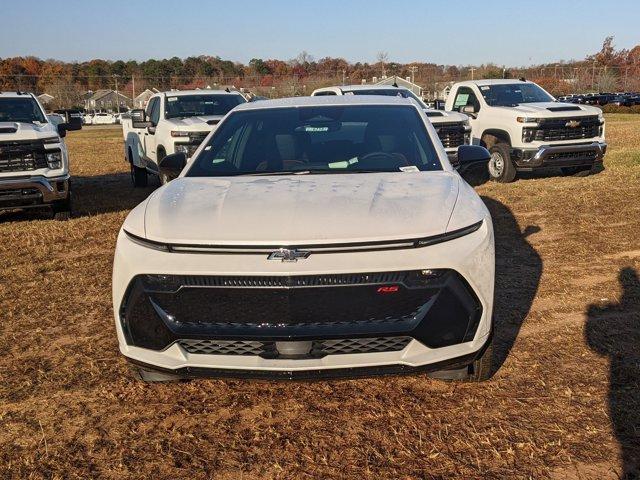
{"x": 93, "y": 195}
{"x": 518, "y": 272}
{"x": 613, "y": 330}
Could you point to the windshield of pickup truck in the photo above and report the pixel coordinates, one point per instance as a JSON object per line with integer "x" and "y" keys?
{"x": 24, "y": 110}
{"x": 512, "y": 94}
{"x": 313, "y": 140}
{"x": 200, "y": 105}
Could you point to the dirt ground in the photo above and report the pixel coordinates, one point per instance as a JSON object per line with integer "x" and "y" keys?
{"x": 564, "y": 402}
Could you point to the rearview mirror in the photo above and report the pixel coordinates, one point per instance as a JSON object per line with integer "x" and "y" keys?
{"x": 139, "y": 119}
{"x": 473, "y": 163}
{"x": 171, "y": 166}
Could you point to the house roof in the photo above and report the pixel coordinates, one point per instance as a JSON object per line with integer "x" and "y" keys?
{"x": 98, "y": 94}
{"x": 398, "y": 81}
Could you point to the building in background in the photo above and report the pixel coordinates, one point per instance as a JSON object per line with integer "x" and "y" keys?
{"x": 45, "y": 99}
{"x": 106, "y": 100}
{"x": 141, "y": 100}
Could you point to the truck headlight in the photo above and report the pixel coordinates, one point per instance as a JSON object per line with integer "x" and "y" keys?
{"x": 527, "y": 120}
{"x": 54, "y": 160}
{"x": 528, "y": 134}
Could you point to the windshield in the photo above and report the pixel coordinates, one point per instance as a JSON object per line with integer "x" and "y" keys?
{"x": 388, "y": 92}
{"x": 200, "y": 105}
{"x": 327, "y": 139}
{"x": 24, "y": 110}
{"x": 512, "y": 94}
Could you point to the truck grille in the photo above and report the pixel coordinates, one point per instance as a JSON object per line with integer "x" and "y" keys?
{"x": 558, "y": 129}
{"x": 318, "y": 348}
{"x": 22, "y": 156}
{"x": 451, "y": 134}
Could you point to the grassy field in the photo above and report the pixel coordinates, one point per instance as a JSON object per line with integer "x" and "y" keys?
{"x": 564, "y": 402}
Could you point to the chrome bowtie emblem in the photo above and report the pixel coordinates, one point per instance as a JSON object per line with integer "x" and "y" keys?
{"x": 287, "y": 255}
{"x": 573, "y": 123}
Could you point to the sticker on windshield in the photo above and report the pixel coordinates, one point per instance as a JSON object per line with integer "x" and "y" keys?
{"x": 484, "y": 87}
{"x": 409, "y": 168}
{"x": 172, "y": 99}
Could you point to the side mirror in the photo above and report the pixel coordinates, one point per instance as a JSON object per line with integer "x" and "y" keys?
{"x": 62, "y": 130}
{"x": 468, "y": 109}
{"x": 473, "y": 163}
{"x": 139, "y": 119}
{"x": 171, "y": 166}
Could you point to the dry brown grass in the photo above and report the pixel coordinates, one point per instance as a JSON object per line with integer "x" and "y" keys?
{"x": 563, "y": 404}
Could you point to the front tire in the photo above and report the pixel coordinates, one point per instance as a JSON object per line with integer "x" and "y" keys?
{"x": 478, "y": 371}
{"x": 501, "y": 168}
{"x": 138, "y": 176}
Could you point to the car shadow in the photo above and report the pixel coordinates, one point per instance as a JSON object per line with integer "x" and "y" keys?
{"x": 93, "y": 195}
{"x": 518, "y": 272}
{"x": 613, "y": 330}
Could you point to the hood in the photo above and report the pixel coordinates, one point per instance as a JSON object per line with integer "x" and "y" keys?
{"x": 196, "y": 124}
{"x": 558, "y": 109}
{"x": 301, "y": 209}
{"x": 440, "y": 116}
{"x": 10, "y": 131}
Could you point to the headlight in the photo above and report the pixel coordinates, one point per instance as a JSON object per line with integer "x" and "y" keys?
{"x": 601, "y": 118}
{"x": 527, "y": 120}
{"x": 175, "y": 133}
{"x": 54, "y": 159}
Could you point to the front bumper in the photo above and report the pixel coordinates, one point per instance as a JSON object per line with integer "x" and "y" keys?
{"x": 568, "y": 155}
{"x": 32, "y": 192}
{"x": 470, "y": 257}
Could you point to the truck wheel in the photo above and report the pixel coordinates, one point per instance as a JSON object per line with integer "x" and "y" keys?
{"x": 62, "y": 209}
{"x": 138, "y": 176}
{"x": 501, "y": 168}
{"x": 479, "y": 371}
{"x": 581, "y": 171}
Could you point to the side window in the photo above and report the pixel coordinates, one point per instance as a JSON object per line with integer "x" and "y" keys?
{"x": 465, "y": 97}
{"x": 150, "y": 105}
{"x": 324, "y": 94}
{"x": 155, "y": 112}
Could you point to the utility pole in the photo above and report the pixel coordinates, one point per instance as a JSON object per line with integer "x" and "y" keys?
{"x": 472, "y": 70}
{"x": 344, "y": 74}
{"x": 133, "y": 88}
{"x": 117, "y": 95}
{"x": 413, "y": 69}
{"x": 593, "y": 75}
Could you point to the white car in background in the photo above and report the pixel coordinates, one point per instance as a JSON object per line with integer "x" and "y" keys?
{"x": 310, "y": 237}
{"x": 453, "y": 128}
{"x": 87, "y": 119}
{"x": 104, "y": 119}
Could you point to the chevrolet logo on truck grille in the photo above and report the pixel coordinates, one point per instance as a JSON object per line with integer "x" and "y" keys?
{"x": 573, "y": 123}
{"x": 287, "y": 255}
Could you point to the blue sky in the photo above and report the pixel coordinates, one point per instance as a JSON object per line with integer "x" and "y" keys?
{"x": 514, "y": 33}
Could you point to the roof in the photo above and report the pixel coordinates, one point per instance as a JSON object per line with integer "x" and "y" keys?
{"x": 14, "y": 94}
{"x": 326, "y": 101}
{"x": 204, "y": 91}
{"x": 493, "y": 81}
{"x": 397, "y": 80}
{"x": 98, "y": 94}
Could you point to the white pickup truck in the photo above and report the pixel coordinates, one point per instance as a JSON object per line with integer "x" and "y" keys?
{"x": 175, "y": 121}
{"x": 526, "y": 129}
{"x": 34, "y": 163}
{"x": 452, "y": 127}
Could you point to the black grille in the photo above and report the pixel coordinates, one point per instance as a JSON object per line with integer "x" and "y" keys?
{"x": 570, "y": 128}
{"x": 580, "y": 155}
{"x": 451, "y": 134}
{"x": 22, "y": 156}
{"x": 436, "y": 307}
{"x": 316, "y": 349}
